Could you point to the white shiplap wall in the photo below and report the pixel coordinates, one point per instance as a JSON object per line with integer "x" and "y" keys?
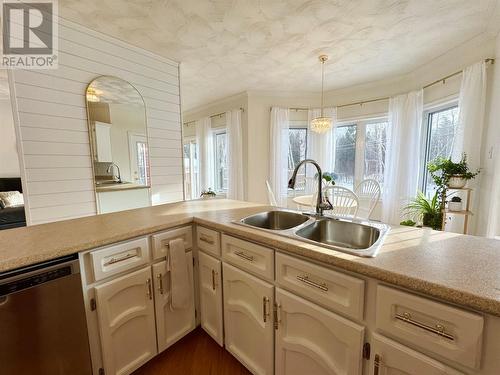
{"x": 52, "y": 122}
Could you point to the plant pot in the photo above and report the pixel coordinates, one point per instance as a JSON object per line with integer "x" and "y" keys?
{"x": 455, "y": 206}
{"x": 433, "y": 221}
{"x": 457, "y": 182}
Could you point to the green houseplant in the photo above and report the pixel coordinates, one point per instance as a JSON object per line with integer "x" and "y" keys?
{"x": 446, "y": 173}
{"x": 428, "y": 211}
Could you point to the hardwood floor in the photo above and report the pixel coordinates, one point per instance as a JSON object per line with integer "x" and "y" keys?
{"x": 195, "y": 354}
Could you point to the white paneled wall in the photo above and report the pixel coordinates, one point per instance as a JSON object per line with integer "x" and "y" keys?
{"x": 52, "y": 122}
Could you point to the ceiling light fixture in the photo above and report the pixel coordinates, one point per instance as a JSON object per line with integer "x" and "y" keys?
{"x": 322, "y": 123}
{"x": 92, "y": 95}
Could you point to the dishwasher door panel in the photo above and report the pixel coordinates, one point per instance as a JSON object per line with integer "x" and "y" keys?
{"x": 43, "y": 330}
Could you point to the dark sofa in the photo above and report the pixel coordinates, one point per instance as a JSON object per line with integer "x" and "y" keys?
{"x": 12, "y": 217}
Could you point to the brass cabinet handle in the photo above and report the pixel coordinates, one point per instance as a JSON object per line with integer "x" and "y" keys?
{"x": 149, "y": 291}
{"x": 160, "y": 282}
{"x": 207, "y": 240}
{"x": 265, "y": 311}
{"x": 213, "y": 279}
{"x": 120, "y": 259}
{"x": 376, "y": 364}
{"x": 277, "y": 315}
{"x": 438, "y": 329}
{"x": 241, "y": 254}
{"x": 305, "y": 280}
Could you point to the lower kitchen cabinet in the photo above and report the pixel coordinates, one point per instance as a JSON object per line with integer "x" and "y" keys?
{"x": 125, "y": 311}
{"x": 248, "y": 322}
{"x": 211, "y": 296}
{"x": 389, "y": 357}
{"x": 314, "y": 341}
{"x": 172, "y": 324}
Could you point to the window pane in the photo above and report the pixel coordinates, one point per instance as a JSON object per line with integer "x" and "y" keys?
{"x": 142, "y": 163}
{"x": 375, "y": 147}
{"x": 187, "y": 163}
{"x": 221, "y": 162}
{"x": 441, "y": 131}
{"x": 345, "y": 155}
{"x": 297, "y": 151}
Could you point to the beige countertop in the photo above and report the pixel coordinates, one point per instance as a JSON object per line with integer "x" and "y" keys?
{"x": 464, "y": 270}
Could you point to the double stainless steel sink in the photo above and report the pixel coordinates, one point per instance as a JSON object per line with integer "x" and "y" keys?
{"x": 358, "y": 237}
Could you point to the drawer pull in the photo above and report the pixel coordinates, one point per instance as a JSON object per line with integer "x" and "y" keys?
{"x": 121, "y": 259}
{"x": 438, "y": 329}
{"x": 376, "y": 364}
{"x": 160, "y": 282}
{"x": 241, "y": 254}
{"x": 213, "y": 279}
{"x": 305, "y": 280}
{"x": 149, "y": 292}
{"x": 207, "y": 240}
{"x": 277, "y": 315}
{"x": 265, "y": 310}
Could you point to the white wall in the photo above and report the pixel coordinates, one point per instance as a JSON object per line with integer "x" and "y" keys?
{"x": 9, "y": 162}
{"x": 51, "y": 115}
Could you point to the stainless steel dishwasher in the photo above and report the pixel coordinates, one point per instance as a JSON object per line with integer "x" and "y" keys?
{"x": 43, "y": 329}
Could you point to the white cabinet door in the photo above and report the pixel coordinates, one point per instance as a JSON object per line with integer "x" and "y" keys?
{"x": 211, "y": 296}
{"x": 103, "y": 142}
{"x": 248, "y": 322}
{"x": 171, "y": 325}
{"x": 391, "y": 358}
{"x": 125, "y": 311}
{"x": 314, "y": 341}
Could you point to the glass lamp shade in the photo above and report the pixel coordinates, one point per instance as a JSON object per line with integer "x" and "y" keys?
{"x": 321, "y": 124}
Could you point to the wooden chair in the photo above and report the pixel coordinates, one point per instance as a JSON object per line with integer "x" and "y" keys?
{"x": 368, "y": 192}
{"x": 344, "y": 201}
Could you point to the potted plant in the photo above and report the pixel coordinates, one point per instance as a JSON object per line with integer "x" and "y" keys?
{"x": 455, "y": 204}
{"x": 207, "y": 194}
{"x": 427, "y": 211}
{"x": 447, "y": 173}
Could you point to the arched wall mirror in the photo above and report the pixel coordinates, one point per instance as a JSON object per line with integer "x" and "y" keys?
{"x": 119, "y": 144}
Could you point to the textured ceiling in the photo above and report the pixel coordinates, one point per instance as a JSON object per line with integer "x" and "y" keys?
{"x": 229, "y": 46}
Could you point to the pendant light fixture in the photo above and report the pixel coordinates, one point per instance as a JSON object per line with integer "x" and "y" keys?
{"x": 322, "y": 123}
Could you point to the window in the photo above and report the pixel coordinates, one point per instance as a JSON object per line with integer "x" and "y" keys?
{"x": 439, "y": 132}
{"x": 220, "y": 140}
{"x": 297, "y": 151}
{"x": 375, "y": 148}
{"x": 359, "y": 152}
{"x": 142, "y": 163}
{"x": 345, "y": 155}
{"x": 190, "y": 154}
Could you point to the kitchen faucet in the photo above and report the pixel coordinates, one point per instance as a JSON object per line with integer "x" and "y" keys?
{"x": 321, "y": 204}
{"x": 117, "y": 168}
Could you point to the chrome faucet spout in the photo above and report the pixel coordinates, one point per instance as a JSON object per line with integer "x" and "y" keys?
{"x": 118, "y": 170}
{"x": 321, "y": 204}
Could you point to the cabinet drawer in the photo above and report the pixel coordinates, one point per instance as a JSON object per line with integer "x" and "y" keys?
{"x": 435, "y": 327}
{"x": 332, "y": 289}
{"x": 118, "y": 258}
{"x": 208, "y": 240}
{"x": 249, "y": 256}
{"x": 161, "y": 240}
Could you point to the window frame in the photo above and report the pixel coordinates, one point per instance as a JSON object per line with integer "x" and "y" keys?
{"x": 360, "y": 146}
{"x": 191, "y": 141}
{"x": 215, "y": 134}
{"x": 299, "y": 125}
{"x": 426, "y": 138}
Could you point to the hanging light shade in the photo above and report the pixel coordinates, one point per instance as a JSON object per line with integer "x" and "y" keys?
{"x": 322, "y": 123}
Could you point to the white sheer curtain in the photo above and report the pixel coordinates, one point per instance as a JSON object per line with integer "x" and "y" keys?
{"x": 403, "y": 154}
{"x": 471, "y": 118}
{"x": 206, "y": 159}
{"x": 320, "y": 147}
{"x": 468, "y": 137}
{"x": 235, "y": 187}
{"x": 278, "y": 154}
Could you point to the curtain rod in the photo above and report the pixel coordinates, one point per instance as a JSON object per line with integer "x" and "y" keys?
{"x": 211, "y": 116}
{"x": 487, "y": 61}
